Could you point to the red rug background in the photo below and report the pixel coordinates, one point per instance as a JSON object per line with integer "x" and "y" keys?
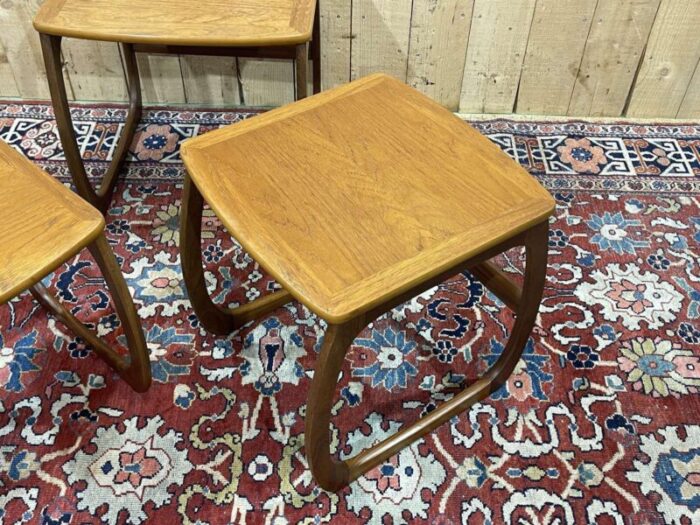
{"x": 599, "y": 423}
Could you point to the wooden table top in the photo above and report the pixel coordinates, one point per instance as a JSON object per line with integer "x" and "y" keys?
{"x": 42, "y": 223}
{"x": 350, "y": 197}
{"x": 180, "y": 22}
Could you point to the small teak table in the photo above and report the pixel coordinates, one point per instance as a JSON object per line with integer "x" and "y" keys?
{"x": 279, "y": 29}
{"x": 356, "y": 200}
{"x": 42, "y": 225}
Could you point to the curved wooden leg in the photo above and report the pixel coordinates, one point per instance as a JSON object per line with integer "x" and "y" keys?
{"x": 301, "y": 63}
{"x": 316, "y": 49}
{"x": 334, "y": 475}
{"x": 101, "y": 198}
{"x": 328, "y": 472}
{"x": 215, "y": 319}
{"x": 136, "y": 371}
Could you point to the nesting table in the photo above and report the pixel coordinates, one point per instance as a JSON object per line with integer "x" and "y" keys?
{"x": 281, "y": 29}
{"x": 42, "y": 225}
{"x": 356, "y": 200}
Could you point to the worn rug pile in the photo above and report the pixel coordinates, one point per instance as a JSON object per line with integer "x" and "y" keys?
{"x": 599, "y": 423}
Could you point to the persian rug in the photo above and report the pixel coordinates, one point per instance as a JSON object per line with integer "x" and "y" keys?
{"x": 600, "y": 422}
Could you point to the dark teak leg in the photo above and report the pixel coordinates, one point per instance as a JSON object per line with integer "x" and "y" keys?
{"x": 316, "y": 49}
{"x": 101, "y": 198}
{"x": 332, "y": 474}
{"x": 136, "y": 371}
{"x": 216, "y": 319}
{"x": 301, "y": 63}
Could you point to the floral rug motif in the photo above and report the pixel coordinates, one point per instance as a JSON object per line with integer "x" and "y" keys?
{"x": 600, "y": 422}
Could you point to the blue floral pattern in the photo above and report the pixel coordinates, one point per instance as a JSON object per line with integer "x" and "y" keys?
{"x": 535, "y": 365}
{"x": 612, "y": 233}
{"x": 385, "y": 360}
{"x": 17, "y": 361}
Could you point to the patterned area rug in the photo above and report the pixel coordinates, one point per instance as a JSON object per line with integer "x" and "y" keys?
{"x": 599, "y": 423}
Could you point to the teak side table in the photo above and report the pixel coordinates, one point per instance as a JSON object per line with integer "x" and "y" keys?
{"x": 356, "y": 200}
{"x": 281, "y": 29}
{"x": 42, "y": 225}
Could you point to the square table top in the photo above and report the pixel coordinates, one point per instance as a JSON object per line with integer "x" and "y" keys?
{"x": 352, "y": 197}
{"x": 42, "y": 223}
{"x": 222, "y": 23}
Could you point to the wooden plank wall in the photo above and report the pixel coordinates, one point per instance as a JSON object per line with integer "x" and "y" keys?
{"x": 636, "y": 58}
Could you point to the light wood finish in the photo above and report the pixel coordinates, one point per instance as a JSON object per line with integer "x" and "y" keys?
{"x": 381, "y": 30}
{"x": 29, "y": 248}
{"x": 420, "y": 191}
{"x": 180, "y": 22}
{"x": 613, "y": 53}
{"x": 43, "y": 224}
{"x": 357, "y": 200}
{"x": 497, "y": 44}
{"x": 215, "y": 318}
{"x": 59, "y": 18}
{"x": 428, "y": 70}
{"x": 554, "y": 51}
{"x": 670, "y": 61}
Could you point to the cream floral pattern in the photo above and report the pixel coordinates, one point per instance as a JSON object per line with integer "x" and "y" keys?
{"x": 167, "y": 224}
{"x": 659, "y": 367}
{"x": 395, "y": 486}
{"x": 631, "y": 296}
{"x": 129, "y": 469}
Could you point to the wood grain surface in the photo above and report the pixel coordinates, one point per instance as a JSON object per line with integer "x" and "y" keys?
{"x": 497, "y": 44}
{"x": 554, "y": 52}
{"x": 350, "y": 197}
{"x": 613, "y": 53}
{"x": 180, "y": 22}
{"x": 670, "y": 61}
{"x": 42, "y": 223}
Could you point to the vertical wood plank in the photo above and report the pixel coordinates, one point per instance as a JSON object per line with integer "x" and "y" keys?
{"x": 670, "y": 61}
{"x": 336, "y": 19}
{"x": 210, "y": 80}
{"x": 8, "y": 86}
{"x": 94, "y": 70}
{"x": 161, "y": 79}
{"x": 22, "y": 48}
{"x": 266, "y": 82}
{"x": 497, "y": 44}
{"x": 381, "y": 34}
{"x": 614, "y": 49}
{"x": 554, "y": 51}
{"x": 437, "y": 48}
{"x": 690, "y": 108}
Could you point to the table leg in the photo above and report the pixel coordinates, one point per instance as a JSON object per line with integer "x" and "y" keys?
{"x": 101, "y": 198}
{"x": 215, "y": 318}
{"x": 301, "y": 64}
{"x": 332, "y": 474}
{"x": 316, "y": 49}
{"x": 136, "y": 371}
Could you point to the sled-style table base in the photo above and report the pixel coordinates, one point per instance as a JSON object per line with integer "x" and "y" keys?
{"x": 356, "y": 200}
